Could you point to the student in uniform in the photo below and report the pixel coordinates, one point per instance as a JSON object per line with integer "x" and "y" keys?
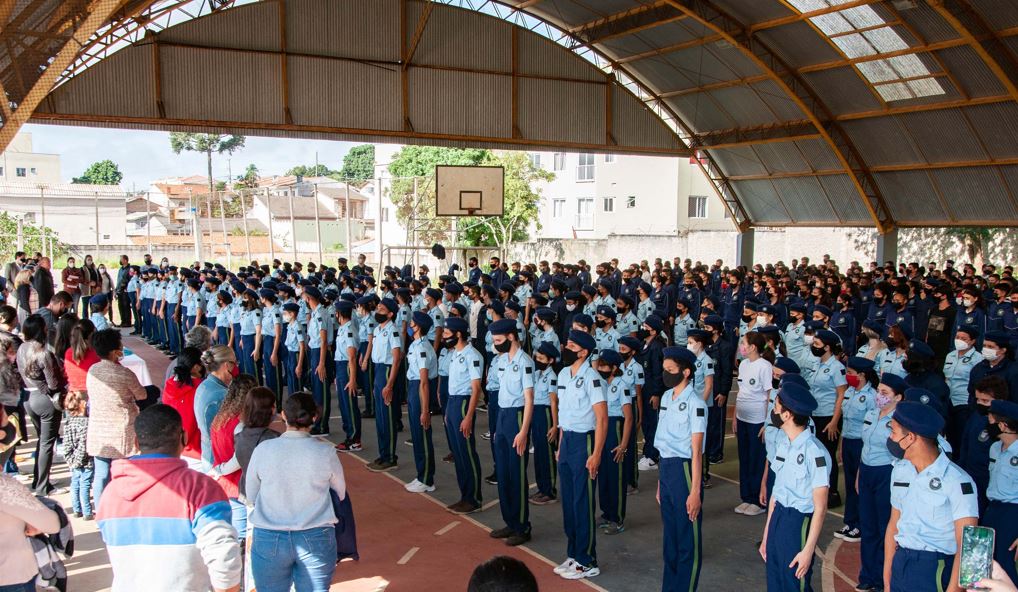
{"x": 99, "y": 305}
{"x": 932, "y": 499}
{"x": 516, "y": 407}
{"x": 859, "y": 400}
{"x": 605, "y": 335}
{"x": 222, "y": 334}
{"x": 974, "y": 454}
{"x": 272, "y": 343}
{"x": 296, "y": 348}
{"x": 317, "y": 348}
{"x": 611, "y": 482}
{"x": 755, "y": 377}
{"x": 684, "y": 321}
{"x": 466, "y": 365}
{"x": 798, "y": 505}
{"x": 632, "y": 373}
{"x": 680, "y": 437}
{"x": 386, "y": 351}
{"x": 346, "y": 377}
{"x": 544, "y": 427}
{"x": 1002, "y": 512}
{"x": 958, "y": 367}
{"x": 545, "y": 328}
{"x": 250, "y": 333}
{"x": 650, "y": 358}
{"x": 828, "y": 385}
{"x": 422, "y": 379}
{"x": 366, "y": 323}
{"x": 583, "y": 423}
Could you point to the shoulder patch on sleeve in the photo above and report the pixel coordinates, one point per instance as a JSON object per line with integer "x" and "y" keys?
{"x": 528, "y": 369}
{"x": 553, "y": 381}
{"x": 597, "y": 382}
{"x": 639, "y": 375}
{"x": 966, "y": 488}
{"x": 424, "y": 354}
{"x": 710, "y": 365}
{"x": 821, "y": 461}
{"x": 477, "y": 363}
{"x": 700, "y": 411}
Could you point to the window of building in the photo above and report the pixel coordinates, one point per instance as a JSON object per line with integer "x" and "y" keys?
{"x": 631, "y": 201}
{"x": 560, "y": 161}
{"x": 558, "y": 207}
{"x": 697, "y": 206}
{"x": 609, "y": 158}
{"x": 609, "y": 204}
{"x": 32, "y": 170}
{"x": 21, "y": 172}
{"x": 585, "y": 167}
{"x": 584, "y": 214}
{"x": 535, "y": 159}
{"x": 1, "y": 171}
{"x": 106, "y": 237}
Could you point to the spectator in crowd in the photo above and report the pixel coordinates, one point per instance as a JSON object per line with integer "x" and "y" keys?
{"x": 226, "y": 468}
{"x": 502, "y": 574}
{"x": 113, "y": 393}
{"x": 55, "y": 308}
{"x": 199, "y": 338}
{"x": 90, "y": 282}
{"x": 123, "y": 300}
{"x": 21, "y": 516}
{"x": 80, "y": 356}
{"x": 219, "y": 362}
{"x": 105, "y": 287}
{"x": 23, "y": 294}
{"x": 76, "y": 455}
{"x": 166, "y": 527}
{"x": 71, "y": 279}
{"x": 179, "y": 391}
{"x": 44, "y": 380}
{"x": 42, "y": 281}
{"x": 11, "y": 385}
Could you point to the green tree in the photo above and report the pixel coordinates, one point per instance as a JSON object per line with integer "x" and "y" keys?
{"x": 103, "y": 172}
{"x": 319, "y": 170}
{"x": 521, "y": 203}
{"x": 418, "y": 162}
{"x": 32, "y": 236}
{"x": 249, "y": 179}
{"x": 359, "y": 163}
{"x": 975, "y": 242}
{"x": 207, "y": 143}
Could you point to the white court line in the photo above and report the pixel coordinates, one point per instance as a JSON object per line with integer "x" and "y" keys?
{"x": 409, "y": 554}
{"x": 736, "y": 482}
{"x": 447, "y": 528}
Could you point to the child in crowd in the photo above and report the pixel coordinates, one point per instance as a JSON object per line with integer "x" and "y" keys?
{"x": 82, "y": 469}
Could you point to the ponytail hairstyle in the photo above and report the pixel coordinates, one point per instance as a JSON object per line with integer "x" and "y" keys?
{"x": 217, "y": 355}
{"x": 81, "y": 339}
{"x": 757, "y": 340}
{"x": 300, "y": 410}
{"x": 189, "y": 356}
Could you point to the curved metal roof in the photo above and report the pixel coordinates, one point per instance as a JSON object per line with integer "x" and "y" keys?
{"x": 802, "y": 112}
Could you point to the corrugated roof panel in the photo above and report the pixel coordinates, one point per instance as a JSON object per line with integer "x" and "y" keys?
{"x": 880, "y": 140}
{"x": 700, "y": 112}
{"x": 1010, "y": 174}
{"x": 733, "y": 57}
{"x": 320, "y": 94}
{"x": 700, "y": 66}
{"x": 761, "y": 202}
{"x": 910, "y": 196}
{"x": 555, "y": 110}
{"x": 744, "y": 106}
{"x": 483, "y": 103}
{"x": 846, "y": 199}
{"x": 975, "y": 193}
{"x": 244, "y": 28}
{"x": 488, "y": 46}
{"x": 537, "y": 55}
{"x": 970, "y": 71}
{"x": 654, "y": 38}
{"x": 942, "y": 135}
{"x": 818, "y": 154}
{"x": 783, "y": 106}
{"x": 634, "y": 125}
{"x": 567, "y": 11}
{"x": 806, "y": 200}
{"x": 253, "y": 94}
{"x": 325, "y": 27}
{"x": 842, "y": 90}
{"x": 999, "y": 14}
{"x": 781, "y": 157}
{"x": 799, "y": 45}
{"x": 124, "y": 85}
{"x": 661, "y": 76}
{"x": 928, "y": 23}
{"x": 997, "y": 126}
{"x": 738, "y": 161}
{"x": 749, "y": 13}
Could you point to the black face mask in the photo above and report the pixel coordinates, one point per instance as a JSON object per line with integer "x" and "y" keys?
{"x": 671, "y": 379}
{"x": 503, "y": 347}
{"x": 890, "y": 343}
{"x": 776, "y": 382}
{"x": 601, "y": 323}
{"x": 541, "y": 365}
{"x": 747, "y": 317}
{"x": 879, "y": 300}
{"x": 642, "y": 334}
{"x": 993, "y": 431}
{"x": 450, "y": 342}
{"x": 605, "y": 374}
{"x": 982, "y": 409}
{"x": 912, "y": 366}
{"x": 776, "y": 420}
{"x": 381, "y": 318}
{"x": 569, "y": 357}
{"x": 816, "y": 351}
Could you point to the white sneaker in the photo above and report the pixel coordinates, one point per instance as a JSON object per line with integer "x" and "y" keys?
{"x": 578, "y": 572}
{"x": 565, "y": 566}
{"x": 416, "y": 486}
{"x": 753, "y": 510}
{"x": 741, "y": 508}
{"x": 647, "y": 464}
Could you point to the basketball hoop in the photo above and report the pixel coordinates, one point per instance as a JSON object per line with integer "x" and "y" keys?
{"x": 469, "y": 190}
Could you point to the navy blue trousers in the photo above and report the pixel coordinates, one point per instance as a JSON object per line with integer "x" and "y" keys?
{"x": 874, "y": 513}
{"x": 715, "y": 437}
{"x": 630, "y": 473}
{"x": 786, "y": 536}
{"x": 172, "y": 329}
{"x": 385, "y": 422}
{"x": 545, "y": 469}
{"x": 365, "y": 380}
{"x": 289, "y": 370}
{"x": 918, "y": 571}
{"x": 424, "y": 447}
{"x": 577, "y": 489}
{"x": 1003, "y": 518}
{"x": 273, "y": 378}
{"x": 464, "y": 451}
{"x": 648, "y": 424}
{"x": 611, "y": 484}
{"x": 683, "y": 543}
{"x": 511, "y": 470}
{"x": 319, "y": 389}
{"x": 851, "y": 456}
{"x": 493, "y": 422}
{"x": 348, "y": 407}
{"x": 752, "y": 457}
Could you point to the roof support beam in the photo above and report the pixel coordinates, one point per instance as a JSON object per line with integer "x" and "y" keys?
{"x": 284, "y": 72}
{"x": 422, "y": 22}
{"x": 157, "y": 75}
{"x": 978, "y": 34}
{"x": 808, "y": 101}
{"x": 626, "y": 23}
{"x": 734, "y": 138}
{"x": 795, "y": 18}
{"x": 890, "y": 168}
{"x": 670, "y": 48}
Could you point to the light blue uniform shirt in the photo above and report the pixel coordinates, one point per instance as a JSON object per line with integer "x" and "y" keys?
{"x": 317, "y": 322}
{"x": 617, "y": 395}
{"x": 604, "y": 301}
{"x": 494, "y": 373}
{"x": 384, "y": 340}
{"x": 632, "y": 372}
{"x": 466, "y": 365}
{"x": 250, "y": 320}
{"x": 577, "y": 395}
{"x": 346, "y": 337}
{"x": 365, "y": 326}
{"x": 272, "y": 316}
{"x": 236, "y": 311}
{"x": 132, "y": 284}
{"x": 682, "y": 326}
{"x": 793, "y": 338}
{"x": 889, "y": 360}
{"x": 704, "y": 368}
{"x": 549, "y": 336}
{"x": 875, "y": 432}
{"x": 680, "y": 417}
{"x": 644, "y": 309}
{"x": 801, "y": 465}
{"x": 517, "y": 375}
{"x": 854, "y": 407}
{"x": 211, "y": 304}
{"x": 824, "y": 382}
{"x": 545, "y": 384}
{"x": 606, "y": 339}
{"x": 627, "y": 324}
{"x": 172, "y": 291}
{"x": 957, "y": 367}
{"x": 99, "y": 320}
{"x": 930, "y": 502}
{"x": 444, "y": 358}
{"x": 1003, "y": 485}
{"x": 294, "y": 336}
{"x": 421, "y": 356}
{"x": 225, "y": 315}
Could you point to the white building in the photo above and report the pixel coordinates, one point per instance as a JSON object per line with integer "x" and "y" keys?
{"x": 19, "y": 164}
{"x": 594, "y": 196}
{"x": 296, "y": 214}
{"x": 83, "y": 215}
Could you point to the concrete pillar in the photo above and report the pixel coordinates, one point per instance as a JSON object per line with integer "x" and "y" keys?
{"x": 744, "y": 243}
{"x": 887, "y": 246}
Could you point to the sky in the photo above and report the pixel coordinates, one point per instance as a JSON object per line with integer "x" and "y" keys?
{"x": 144, "y": 156}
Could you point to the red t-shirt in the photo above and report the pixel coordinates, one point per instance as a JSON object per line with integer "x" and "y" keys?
{"x": 181, "y": 397}
{"x": 222, "y": 450}
{"x": 77, "y": 371}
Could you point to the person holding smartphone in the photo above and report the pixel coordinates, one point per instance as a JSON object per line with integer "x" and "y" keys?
{"x": 1002, "y": 512}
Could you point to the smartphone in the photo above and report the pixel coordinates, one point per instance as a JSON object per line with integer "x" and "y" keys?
{"x": 976, "y": 555}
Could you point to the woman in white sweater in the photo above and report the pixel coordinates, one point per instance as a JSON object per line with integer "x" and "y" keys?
{"x": 21, "y": 516}
{"x": 294, "y": 538}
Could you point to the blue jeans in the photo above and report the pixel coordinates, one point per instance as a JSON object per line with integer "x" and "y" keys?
{"x": 238, "y": 518}
{"x": 28, "y": 586}
{"x": 81, "y": 489}
{"x": 302, "y": 559}
{"x": 102, "y": 476}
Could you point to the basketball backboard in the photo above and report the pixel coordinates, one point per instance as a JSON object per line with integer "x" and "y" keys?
{"x": 469, "y": 190}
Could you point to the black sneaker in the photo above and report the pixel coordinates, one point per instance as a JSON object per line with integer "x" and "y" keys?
{"x": 502, "y": 533}
{"x": 491, "y": 479}
{"x": 517, "y": 539}
{"x": 368, "y": 415}
{"x": 849, "y": 535}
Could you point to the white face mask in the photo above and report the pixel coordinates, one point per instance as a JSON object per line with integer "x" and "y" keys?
{"x": 694, "y": 347}
{"x": 990, "y": 353}
{"x": 570, "y": 307}
{"x": 968, "y": 302}
{"x": 958, "y": 300}
{"x": 807, "y": 339}
{"x": 761, "y": 319}
{"x": 961, "y": 345}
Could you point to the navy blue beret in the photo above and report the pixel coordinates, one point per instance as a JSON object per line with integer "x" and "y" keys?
{"x": 919, "y": 419}
{"x": 423, "y": 320}
{"x": 584, "y": 340}
{"x": 679, "y": 354}
{"x": 502, "y": 327}
{"x": 797, "y": 399}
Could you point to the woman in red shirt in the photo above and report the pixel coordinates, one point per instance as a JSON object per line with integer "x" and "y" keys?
{"x": 79, "y": 356}
{"x": 179, "y": 394}
{"x": 226, "y": 470}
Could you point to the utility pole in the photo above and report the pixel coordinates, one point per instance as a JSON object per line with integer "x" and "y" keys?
{"x": 195, "y": 226}
{"x": 272, "y": 240}
{"x": 318, "y": 221}
{"x": 349, "y": 236}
